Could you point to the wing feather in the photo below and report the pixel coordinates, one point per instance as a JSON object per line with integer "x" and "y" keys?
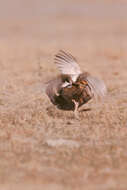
{"x": 67, "y": 64}
{"x": 97, "y": 87}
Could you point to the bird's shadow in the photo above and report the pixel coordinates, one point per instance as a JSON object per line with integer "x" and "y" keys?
{"x": 85, "y": 110}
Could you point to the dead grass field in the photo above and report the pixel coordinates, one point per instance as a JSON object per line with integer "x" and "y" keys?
{"x": 42, "y": 147}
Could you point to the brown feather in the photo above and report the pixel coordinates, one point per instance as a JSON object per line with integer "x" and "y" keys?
{"x": 80, "y": 91}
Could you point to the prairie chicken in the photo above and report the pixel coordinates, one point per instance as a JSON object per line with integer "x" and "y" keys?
{"x": 72, "y": 88}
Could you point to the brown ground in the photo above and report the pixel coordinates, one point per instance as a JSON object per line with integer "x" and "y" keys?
{"x": 42, "y": 147}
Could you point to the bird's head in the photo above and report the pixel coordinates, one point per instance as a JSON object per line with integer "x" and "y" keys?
{"x": 67, "y": 80}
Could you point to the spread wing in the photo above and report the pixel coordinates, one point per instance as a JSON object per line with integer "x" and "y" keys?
{"x": 67, "y": 64}
{"x": 97, "y": 87}
{"x": 52, "y": 88}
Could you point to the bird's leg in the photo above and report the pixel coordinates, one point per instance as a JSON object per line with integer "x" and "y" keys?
{"x": 76, "y": 109}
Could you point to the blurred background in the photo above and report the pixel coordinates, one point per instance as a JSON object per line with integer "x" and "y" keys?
{"x": 60, "y": 23}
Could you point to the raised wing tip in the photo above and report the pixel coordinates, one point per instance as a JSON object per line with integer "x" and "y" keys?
{"x": 66, "y": 63}
{"x": 66, "y": 55}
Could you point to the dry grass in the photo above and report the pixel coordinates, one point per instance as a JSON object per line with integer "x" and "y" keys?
{"x": 42, "y": 147}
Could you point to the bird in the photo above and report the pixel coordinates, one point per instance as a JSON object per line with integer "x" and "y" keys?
{"x": 72, "y": 88}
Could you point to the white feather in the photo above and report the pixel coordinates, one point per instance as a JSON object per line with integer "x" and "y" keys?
{"x": 97, "y": 86}
{"x": 67, "y": 64}
{"x": 65, "y": 84}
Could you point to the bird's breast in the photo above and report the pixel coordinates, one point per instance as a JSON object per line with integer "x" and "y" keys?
{"x": 78, "y": 91}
